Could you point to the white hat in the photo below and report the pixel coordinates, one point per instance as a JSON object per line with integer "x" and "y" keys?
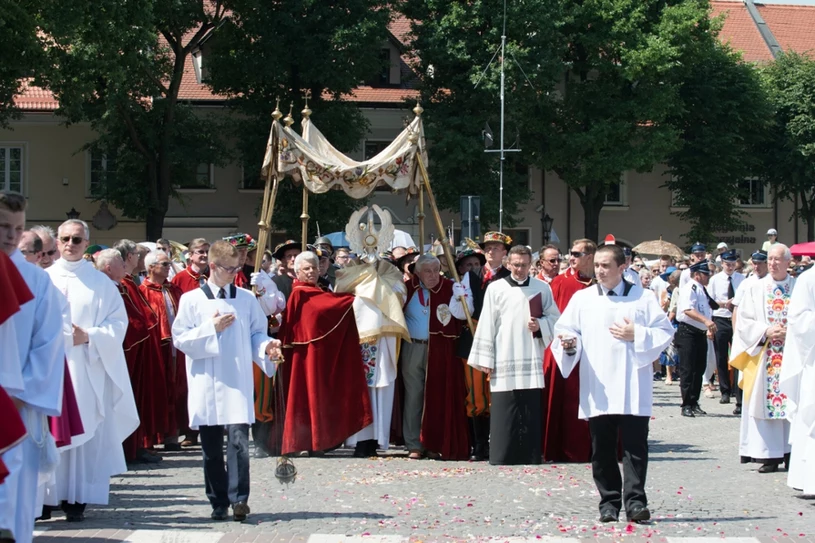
{"x": 772, "y": 232}
{"x": 721, "y": 245}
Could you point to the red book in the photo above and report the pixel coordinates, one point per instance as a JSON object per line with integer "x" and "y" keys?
{"x": 536, "y": 306}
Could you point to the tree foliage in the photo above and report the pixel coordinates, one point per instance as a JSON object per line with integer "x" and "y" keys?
{"x": 270, "y": 50}
{"x": 22, "y": 54}
{"x": 790, "y": 85}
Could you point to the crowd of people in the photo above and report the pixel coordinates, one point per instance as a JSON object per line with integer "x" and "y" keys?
{"x": 116, "y": 355}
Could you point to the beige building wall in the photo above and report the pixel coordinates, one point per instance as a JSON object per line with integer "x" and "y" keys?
{"x": 56, "y": 173}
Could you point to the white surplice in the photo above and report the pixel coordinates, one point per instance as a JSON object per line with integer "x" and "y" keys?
{"x": 101, "y": 382}
{"x": 41, "y": 353}
{"x": 616, "y": 376}
{"x": 798, "y": 383}
{"x": 503, "y": 342}
{"x": 219, "y": 364}
{"x": 764, "y": 427}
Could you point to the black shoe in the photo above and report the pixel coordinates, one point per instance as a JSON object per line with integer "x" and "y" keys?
{"x": 173, "y": 447}
{"x": 698, "y": 410}
{"x": 220, "y": 513}
{"x": 360, "y": 450}
{"x": 737, "y": 410}
{"x": 145, "y": 457}
{"x": 260, "y": 453}
{"x": 725, "y": 398}
{"x": 609, "y": 515}
{"x": 687, "y": 412}
{"x": 74, "y": 517}
{"x": 239, "y": 511}
{"x": 768, "y": 468}
{"x": 638, "y": 513}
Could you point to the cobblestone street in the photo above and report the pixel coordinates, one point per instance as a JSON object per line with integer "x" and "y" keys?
{"x": 696, "y": 488}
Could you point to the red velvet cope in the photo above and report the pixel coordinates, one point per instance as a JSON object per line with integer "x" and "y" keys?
{"x": 566, "y": 438}
{"x": 175, "y": 374}
{"x": 327, "y": 392}
{"x": 69, "y": 423}
{"x": 146, "y": 369}
{"x": 187, "y": 280}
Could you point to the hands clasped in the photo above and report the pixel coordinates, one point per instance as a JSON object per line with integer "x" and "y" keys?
{"x": 776, "y": 332}
{"x": 222, "y": 322}
{"x": 623, "y": 332}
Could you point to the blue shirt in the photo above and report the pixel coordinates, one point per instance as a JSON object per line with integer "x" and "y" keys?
{"x": 418, "y": 317}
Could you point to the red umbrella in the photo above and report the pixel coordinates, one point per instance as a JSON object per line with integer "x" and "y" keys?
{"x": 803, "y": 249}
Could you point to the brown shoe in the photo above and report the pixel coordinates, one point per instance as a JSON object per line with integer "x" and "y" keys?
{"x": 415, "y": 455}
{"x": 239, "y": 511}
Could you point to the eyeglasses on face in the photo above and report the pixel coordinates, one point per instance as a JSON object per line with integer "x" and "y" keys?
{"x": 200, "y": 252}
{"x": 578, "y": 254}
{"x": 76, "y": 240}
{"x": 166, "y": 264}
{"x": 229, "y": 269}
{"x": 552, "y": 260}
{"x": 27, "y": 252}
{"x": 52, "y": 252}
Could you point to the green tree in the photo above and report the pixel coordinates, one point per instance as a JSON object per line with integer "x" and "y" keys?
{"x": 118, "y": 66}
{"x": 269, "y": 50}
{"x": 18, "y": 39}
{"x": 453, "y": 45}
{"x": 722, "y": 122}
{"x": 790, "y": 85}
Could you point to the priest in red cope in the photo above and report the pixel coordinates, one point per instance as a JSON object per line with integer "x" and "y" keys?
{"x": 566, "y": 438}
{"x": 194, "y": 274}
{"x": 163, "y": 298}
{"x": 143, "y": 354}
{"x": 327, "y": 392}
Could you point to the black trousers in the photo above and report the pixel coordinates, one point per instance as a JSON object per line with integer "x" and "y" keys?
{"x": 515, "y": 427}
{"x": 722, "y": 341}
{"x": 691, "y": 345}
{"x": 630, "y": 488}
{"x": 226, "y": 483}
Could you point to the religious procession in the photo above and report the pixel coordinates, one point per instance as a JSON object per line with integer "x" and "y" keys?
{"x": 493, "y": 353}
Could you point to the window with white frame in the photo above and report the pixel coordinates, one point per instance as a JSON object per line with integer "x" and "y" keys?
{"x": 100, "y": 167}
{"x": 753, "y": 193}
{"x": 11, "y": 168}
{"x": 615, "y": 195}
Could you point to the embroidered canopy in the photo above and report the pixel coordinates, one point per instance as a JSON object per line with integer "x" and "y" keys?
{"x": 312, "y": 159}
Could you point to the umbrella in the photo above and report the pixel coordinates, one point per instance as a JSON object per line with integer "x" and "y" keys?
{"x": 803, "y": 249}
{"x": 658, "y": 247}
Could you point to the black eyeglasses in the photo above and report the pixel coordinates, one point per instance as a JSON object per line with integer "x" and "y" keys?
{"x": 553, "y": 260}
{"x": 229, "y": 269}
{"x": 578, "y": 254}
{"x": 52, "y": 252}
{"x": 165, "y": 264}
{"x": 76, "y": 240}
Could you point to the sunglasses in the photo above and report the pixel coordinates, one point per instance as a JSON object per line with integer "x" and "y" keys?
{"x": 578, "y": 254}
{"x": 553, "y": 260}
{"x": 52, "y": 252}
{"x": 200, "y": 252}
{"x": 229, "y": 269}
{"x": 165, "y": 264}
{"x": 76, "y": 240}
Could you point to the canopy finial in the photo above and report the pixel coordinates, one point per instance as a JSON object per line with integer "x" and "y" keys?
{"x": 289, "y": 120}
{"x": 306, "y": 110}
{"x": 276, "y": 114}
{"x": 418, "y": 110}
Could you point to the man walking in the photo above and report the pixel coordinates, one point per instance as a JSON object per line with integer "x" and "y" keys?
{"x": 723, "y": 287}
{"x": 550, "y": 263}
{"x": 514, "y": 328}
{"x": 615, "y": 330}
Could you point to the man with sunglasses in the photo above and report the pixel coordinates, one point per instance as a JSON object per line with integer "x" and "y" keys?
{"x": 195, "y": 274}
{"x": 34, "y": 379}
{"x": 100, "y": 376}
{"x": 31, "y": 247}
{"x": 566, "y": 438}
{"x": 550, "y": 263}
{"x": 49, "y": 245}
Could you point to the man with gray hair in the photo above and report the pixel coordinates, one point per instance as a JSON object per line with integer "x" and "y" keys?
{"x": 49, "y": 245}
{"x": 758, "y": 347}
{"x": 328, "y": 398}
{"x": 97, "y": 363}
{"x": 434, "y": 421}
{"x": 142, "y": 347}
{"x": 30, "y": 246}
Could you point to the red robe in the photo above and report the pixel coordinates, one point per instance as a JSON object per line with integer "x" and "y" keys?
{"x": 188, "y": 280}
{"x": 566, "y": 438}
{"x": 175, "y": 366}
{"x": 444, "y": 420}
{"x": 13, "y": 293}
{"x": 327, "y": 392}
{"x": 146, "y": 368}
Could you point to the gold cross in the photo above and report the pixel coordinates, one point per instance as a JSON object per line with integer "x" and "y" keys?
{"x": 307, "y": 95}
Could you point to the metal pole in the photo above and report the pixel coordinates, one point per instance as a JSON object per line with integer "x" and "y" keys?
{"x": 421, "y": 219}
{"x": 304, "y": 217}
{"x": 501, "y": 163}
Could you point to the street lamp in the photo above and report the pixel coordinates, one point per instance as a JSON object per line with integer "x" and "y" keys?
{"x": 547, "y": 222}
{"x": 73, "y": 214}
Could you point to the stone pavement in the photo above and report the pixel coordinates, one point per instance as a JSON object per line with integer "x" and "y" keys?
{"x": 696, "y": 489}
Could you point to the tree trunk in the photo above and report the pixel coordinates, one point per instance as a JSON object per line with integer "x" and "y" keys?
{"x": 592, "y": 205}
{"x": 154, "y": 224}
{"x": 810, "y": 220}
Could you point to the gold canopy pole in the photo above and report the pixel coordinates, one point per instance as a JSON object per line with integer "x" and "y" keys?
{"x": 269, "y": 197}
{"x": 421, "y": 219}
{"x": 445, "y": 241}
{"x": 304, "y": 216}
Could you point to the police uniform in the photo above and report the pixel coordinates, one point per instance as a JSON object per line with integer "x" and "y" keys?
{"x": 684, "y": 277}
{"x": 691, "y": 340}
{"x": 722, "y": 288}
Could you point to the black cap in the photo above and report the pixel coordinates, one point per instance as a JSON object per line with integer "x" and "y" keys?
{"x": 702, "y": 267}
{"x": 730, "y": 256}
{"x": 759, "y": 256}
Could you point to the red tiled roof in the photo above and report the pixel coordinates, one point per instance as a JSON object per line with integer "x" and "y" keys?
{"x": 400, "y": 28}
{"x": 376, "y": 95}
{"x": 793, "y": 26}
{"x": 32, "y": 98}
{"x": 740, "y": 31}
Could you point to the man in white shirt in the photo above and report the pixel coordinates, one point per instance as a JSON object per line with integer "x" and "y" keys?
{"x": 696, "y": 326}
{"x": 722, "y": 289}
{"x": 615, "y": 330}
{"x": 658, "y": 284}
{"x": 41, "y": 364}
{"x": 99, "y": 374}
{"x": 508, "y": 345}
{"x": 222, "y": 330}
{"x": 630, "y": 275}
{"x": 698, "y": 253}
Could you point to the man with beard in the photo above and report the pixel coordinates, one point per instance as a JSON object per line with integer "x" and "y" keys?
{"x": 566, "y": 438}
